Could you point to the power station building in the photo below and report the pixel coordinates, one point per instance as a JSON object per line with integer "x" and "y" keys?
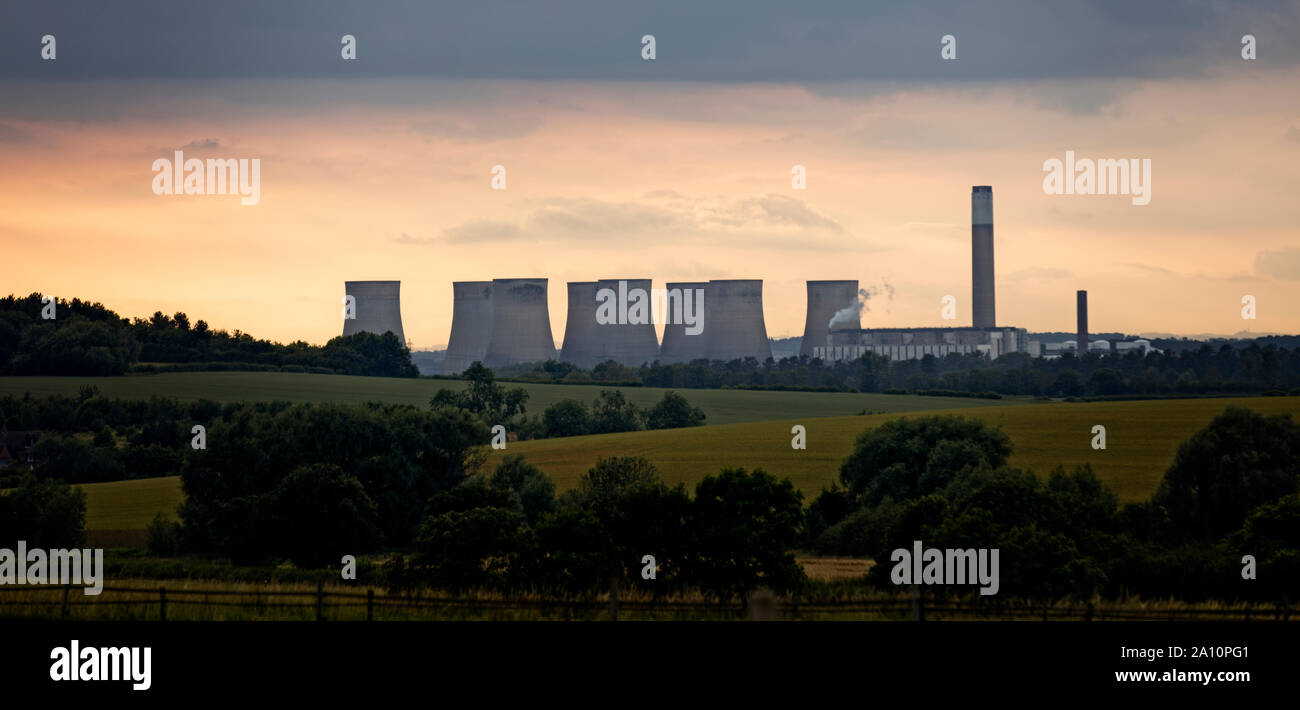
{"x": 680, "y": 344}
{"x": 825, "y": 300}
{"x": 471, "y": 325}
{"x": 982, "y": 337}
{"x": 734, "y": 328}
{"x": 589, "y": 342}
{"x": 375, "y": 307}
{"x": 520, "y": 325}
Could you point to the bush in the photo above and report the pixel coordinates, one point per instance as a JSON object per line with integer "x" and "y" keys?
{"x": 673, "y": 412}
{"x": 164, "y": 536}
{"x": 567, "y": 417}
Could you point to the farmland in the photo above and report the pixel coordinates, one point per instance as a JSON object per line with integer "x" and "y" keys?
{"x": 1142, "y": 438}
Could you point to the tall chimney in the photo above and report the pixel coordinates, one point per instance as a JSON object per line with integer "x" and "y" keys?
{"x": 1082, "y": 339}
{"x": 981, "y": 247}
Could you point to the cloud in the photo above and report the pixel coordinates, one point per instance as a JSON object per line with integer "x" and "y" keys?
{"x": 1150, "y": 269}
{"x": 762, "y": 220}
{"x": 484, "y": 125}
{"x": 1280, "y": 264}
{"x": 1293, "y": 134}
{"x": 737, "y": 40}
{"x": 204, "y": 144}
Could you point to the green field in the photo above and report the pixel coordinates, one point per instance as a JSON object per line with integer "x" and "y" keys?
{"x": 1142, "y": 438}
{"x": 721, "y": 406}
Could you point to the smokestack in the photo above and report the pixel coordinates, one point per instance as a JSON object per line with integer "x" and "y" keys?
{"x": 379, "y": 308}
{"x": 678, "y": 345}
{"x": 981, "y": 244}
{"x": 521, "y": 323}
{"x": 1082, "y": 340}
{"x": 471, "y": 325}
{"x": 733, "y": 321}
{"x": 825, "y": 299}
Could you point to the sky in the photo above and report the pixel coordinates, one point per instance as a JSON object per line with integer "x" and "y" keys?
{"x": 676, "y": 169}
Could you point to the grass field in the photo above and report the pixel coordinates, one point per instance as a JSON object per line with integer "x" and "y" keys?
{"x": 721, "y": 406}
{"x": 1142, "y": 438}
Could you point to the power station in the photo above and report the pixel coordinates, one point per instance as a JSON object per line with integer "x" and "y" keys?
{"x": 378, "y": 308}
{"x": 982, "y": 337}
{"x": 521, "y": 323}
{"x": 471, "y": 325}
{"x": 507, "y": 322}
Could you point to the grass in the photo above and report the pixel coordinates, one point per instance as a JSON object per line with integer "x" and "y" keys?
{"x": 118, "y": 512}
{"x": 721, "y": 406}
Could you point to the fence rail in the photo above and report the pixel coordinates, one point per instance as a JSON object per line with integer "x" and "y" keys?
{"x": 903, "y": 606}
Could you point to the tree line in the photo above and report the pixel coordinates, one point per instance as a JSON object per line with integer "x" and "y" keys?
{"x": 1252, "y": 369}
{"x": 89, "y": 339}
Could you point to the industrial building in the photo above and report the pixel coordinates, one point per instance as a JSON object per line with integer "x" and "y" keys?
{"x": 378, "y": 308}
{"x": 733, "y": 320}
{"x": 588, "y": 342}
{"x": 983, "y": 336}
{"x": 679, "y": 345}
{"x": 471, "y": 325}
{"x": 521, "y": 323}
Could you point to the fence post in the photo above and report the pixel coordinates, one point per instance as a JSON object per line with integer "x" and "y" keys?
{"x": 320, "y": 600}
{"x": 370, "y": 605}
{"x": 613, "y": 599}
{"x": 66, "y": 588}
{"x": 918, "y": 609}
{"x": 162, "y": 603}
{"x": 1088, "y": 615}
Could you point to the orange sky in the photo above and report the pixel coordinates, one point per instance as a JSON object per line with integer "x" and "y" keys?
{"x": 673, "y": 181}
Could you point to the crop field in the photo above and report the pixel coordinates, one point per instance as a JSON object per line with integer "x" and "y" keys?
{"x": 1142, "y": 438}
{"x": 721, "y": 406}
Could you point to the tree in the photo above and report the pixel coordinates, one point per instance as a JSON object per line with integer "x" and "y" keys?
{"x": 672, "y": 412}
{"x": 911, "y": 457}
{"x": 45, "y": 513}
{"x": 1241, "y": 460}
{"x": 567, "y": 417}
{"x": 534, "y": 488}
{"x": 321, "y": 514}
{"x": 747, "y": 527}
{"x": 613, "y": 413}
{"x": 1272, "y": 534}
{"x": 484, "y": 397}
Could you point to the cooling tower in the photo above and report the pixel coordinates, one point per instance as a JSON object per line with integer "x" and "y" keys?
{"x": 825, "y": 299}
{"x": 521, "y": 323}
{"x": 378, "y": 308}
{"x": 1081, "y": 343}
{"x": 580, "y": 325}
{"x": 628, "y": 336}
{"x": 682, "y": 304}
{"x": 471, "y": 325}
{"x": 981, "y": 244}
{"x": 733, "y": 317}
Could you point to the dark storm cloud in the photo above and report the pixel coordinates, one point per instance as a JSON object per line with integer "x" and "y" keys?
{"x": 697, "y": 40}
